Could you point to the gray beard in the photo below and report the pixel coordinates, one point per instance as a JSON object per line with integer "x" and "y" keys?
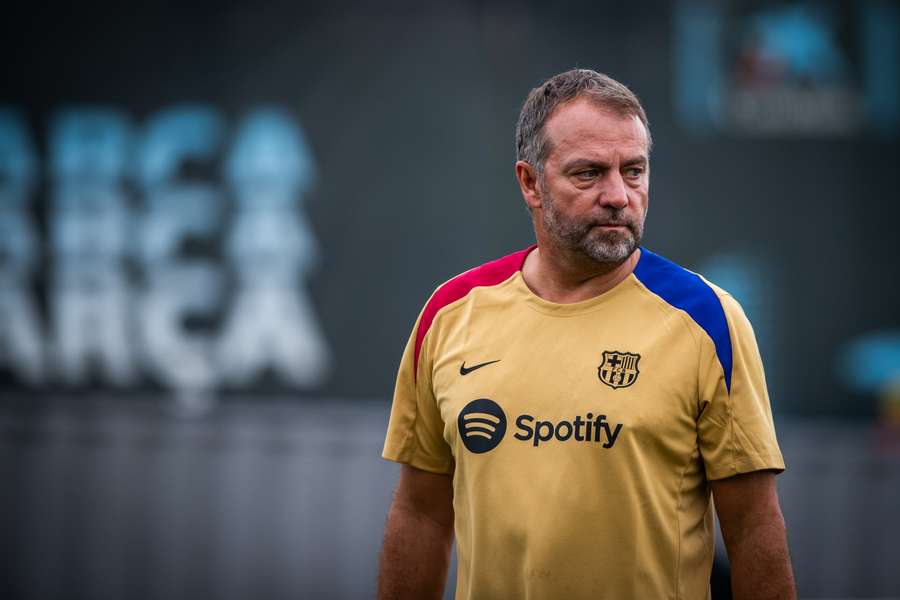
{"x": 604, "y": 247}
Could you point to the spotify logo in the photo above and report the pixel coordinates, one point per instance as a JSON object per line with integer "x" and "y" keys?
{"x": 482, "y": 425}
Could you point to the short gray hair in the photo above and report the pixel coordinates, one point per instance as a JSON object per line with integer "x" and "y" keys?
{"x": 532, "y": 145}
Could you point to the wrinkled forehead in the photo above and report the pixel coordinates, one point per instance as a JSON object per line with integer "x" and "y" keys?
{"x": 585, "y": 124}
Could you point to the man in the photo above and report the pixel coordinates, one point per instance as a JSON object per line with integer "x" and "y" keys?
{"x": 568, "y": 409}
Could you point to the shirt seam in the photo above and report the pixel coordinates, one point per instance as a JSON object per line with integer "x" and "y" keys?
{"x": 415, "y": 450}
{"x": 680, "y": 534}
{"x": 732, "y": 446}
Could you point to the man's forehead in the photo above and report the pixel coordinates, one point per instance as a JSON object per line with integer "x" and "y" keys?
{"x": 582, "y": 122}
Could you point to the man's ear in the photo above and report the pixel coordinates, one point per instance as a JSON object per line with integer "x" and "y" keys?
{"x": 528, "y": 183}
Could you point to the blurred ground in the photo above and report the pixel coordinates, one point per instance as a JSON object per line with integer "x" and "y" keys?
{"x": 270, "y": 500}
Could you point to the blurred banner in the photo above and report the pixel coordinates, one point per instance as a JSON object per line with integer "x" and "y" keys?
{"x": 173, "y": 252}
{"x": 789, "y": 69}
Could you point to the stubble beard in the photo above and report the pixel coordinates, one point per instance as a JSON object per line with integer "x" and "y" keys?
{"x": 607, "y": 247}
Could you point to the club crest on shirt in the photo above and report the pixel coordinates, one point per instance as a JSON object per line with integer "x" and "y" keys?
{"x": 618, "y": 369}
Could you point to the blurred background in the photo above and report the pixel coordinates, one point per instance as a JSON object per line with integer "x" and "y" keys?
{"x": 218, "y": 223}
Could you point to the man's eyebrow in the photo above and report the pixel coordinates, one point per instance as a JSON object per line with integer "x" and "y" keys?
{"x": 637, "y": 160}
{"x": 580, "y": 163}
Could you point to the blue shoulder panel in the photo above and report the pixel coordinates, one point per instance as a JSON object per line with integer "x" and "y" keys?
{"x": 687, "y": 291}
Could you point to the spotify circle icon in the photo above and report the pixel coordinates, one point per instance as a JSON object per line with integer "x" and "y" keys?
{"x": 482, "y": 425}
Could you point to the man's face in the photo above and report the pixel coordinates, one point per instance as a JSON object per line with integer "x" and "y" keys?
{"x": 595, "y": 182}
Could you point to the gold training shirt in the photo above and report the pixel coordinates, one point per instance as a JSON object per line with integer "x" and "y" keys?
{"x": 581, "y": 437}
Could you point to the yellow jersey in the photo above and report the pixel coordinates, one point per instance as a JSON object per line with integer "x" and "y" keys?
{"x": 581, "y": 437}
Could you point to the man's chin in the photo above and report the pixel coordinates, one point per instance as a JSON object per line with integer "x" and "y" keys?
{"x": 614, "y": 253}
{"x": 610, "y": 251}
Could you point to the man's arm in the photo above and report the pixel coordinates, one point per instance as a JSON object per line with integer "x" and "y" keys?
{"x": 418, "y": 537}
{"x": 755, "y": 536}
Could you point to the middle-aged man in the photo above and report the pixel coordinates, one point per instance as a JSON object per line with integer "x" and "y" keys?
{"x": 567, "y": 409}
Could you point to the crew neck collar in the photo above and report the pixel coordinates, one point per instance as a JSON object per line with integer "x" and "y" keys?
{"x": 572, "y": 308}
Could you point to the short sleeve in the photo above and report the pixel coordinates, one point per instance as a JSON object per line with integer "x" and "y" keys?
{"x": 735, "y": 427}
{"x": 415, "y": 430}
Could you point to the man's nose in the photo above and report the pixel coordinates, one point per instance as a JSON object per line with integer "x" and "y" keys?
{"x": 614, "y": 192}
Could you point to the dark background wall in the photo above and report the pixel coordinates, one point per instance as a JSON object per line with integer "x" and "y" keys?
{"x": 777, "y": 182}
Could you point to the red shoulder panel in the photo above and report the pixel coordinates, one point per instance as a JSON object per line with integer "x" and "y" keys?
{"x": 488, "y": 274}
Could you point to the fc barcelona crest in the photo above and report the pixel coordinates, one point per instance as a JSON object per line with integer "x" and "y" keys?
{"x": 618, "y": 369}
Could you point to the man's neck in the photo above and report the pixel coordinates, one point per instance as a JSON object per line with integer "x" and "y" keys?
{"x": 565, "y": 279}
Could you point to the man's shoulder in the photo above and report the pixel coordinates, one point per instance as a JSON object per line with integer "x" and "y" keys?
{"x": 491, "y": 273}
{"x": 703, "y": 302}
{"x": 681, "y": 287}
{"x": 488, "y": 274}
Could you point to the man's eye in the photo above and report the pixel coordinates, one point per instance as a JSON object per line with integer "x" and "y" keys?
{"x": 587, "y": 174}
{"x": 634, "y": 172}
